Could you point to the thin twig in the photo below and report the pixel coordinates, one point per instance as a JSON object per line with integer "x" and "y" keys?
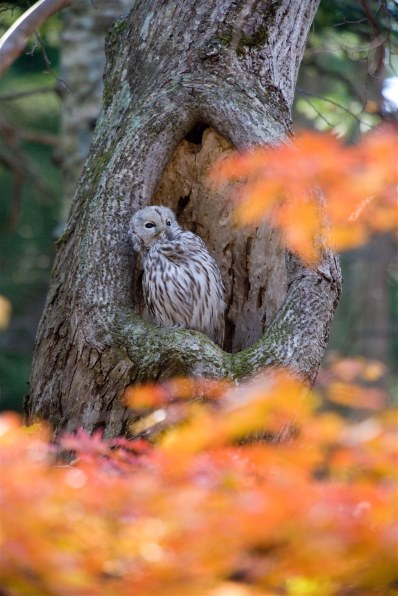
{"x": 339, "y": 77}
{"x": 35, "y": 45}
{"x": 334, "y": 103}
{"x": 43, "y": 51}
{"x": 379, "y": 48}
{"x": 322, "y": 117}
{"x": 38, "y": 137}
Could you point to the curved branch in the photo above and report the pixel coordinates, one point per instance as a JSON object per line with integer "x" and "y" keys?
{"x": 296, "y": 339}
{"x": 298, "y": 336}
{"x": 14, "y": 40}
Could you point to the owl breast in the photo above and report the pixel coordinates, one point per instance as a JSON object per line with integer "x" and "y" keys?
{"x": 182, "y": 286}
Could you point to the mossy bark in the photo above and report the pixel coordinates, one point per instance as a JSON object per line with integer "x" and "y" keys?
{"x": 182, "y": 87}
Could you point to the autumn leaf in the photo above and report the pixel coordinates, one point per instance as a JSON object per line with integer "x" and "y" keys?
{"x": 5, "y": 312}
{"x": 177, "y": 388}
{"x": 283, "y": 185}
{"x": 310, "y": 505}
{"x": 348, "y": 394}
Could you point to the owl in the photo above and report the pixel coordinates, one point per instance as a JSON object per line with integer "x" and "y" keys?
{"x": 181, "y": 281}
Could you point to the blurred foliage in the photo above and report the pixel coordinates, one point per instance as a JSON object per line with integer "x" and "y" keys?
{"x": 351, "y": 49}
{"x": 305, "y": 508}
{"x": 366, "y": 15}
{"x": 31, "y": 190}
{"x": 279, "y": 183}
{"x": 359, "y": 185}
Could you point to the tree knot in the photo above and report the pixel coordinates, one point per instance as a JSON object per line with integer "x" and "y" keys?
{"x": 212, "y": 50}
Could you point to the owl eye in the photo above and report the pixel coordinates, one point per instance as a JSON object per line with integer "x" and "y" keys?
{"x": 149, "y": 225}
{"x": 168, "y": 222}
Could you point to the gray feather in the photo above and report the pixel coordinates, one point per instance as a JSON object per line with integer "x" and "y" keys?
{"x": 181, "y": 281}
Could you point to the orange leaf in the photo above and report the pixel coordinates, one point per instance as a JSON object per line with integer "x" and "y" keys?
{"x": 144, "y": 396}
{"x": 258, "y": 200}
{"x": 356, "y": 396}
{"x": 359, "y": 184}
{"x": 300, "y": 224}
{"x": 344, "y": 237}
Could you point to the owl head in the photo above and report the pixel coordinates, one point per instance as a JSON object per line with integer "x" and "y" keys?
{"x": 151, "y": 225}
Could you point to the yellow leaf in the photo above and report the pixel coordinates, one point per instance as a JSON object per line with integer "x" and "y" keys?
{"x": 5, "y": 312}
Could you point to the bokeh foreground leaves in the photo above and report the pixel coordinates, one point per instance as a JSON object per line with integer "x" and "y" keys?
{"x": 308, "y": 507}
{"x": 317, "y": 190}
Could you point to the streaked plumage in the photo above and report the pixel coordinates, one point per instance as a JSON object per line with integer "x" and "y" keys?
{"x": 181, "y": 282}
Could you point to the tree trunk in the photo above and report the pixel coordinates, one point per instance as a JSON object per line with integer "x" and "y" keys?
{"x": 184, "y": 83}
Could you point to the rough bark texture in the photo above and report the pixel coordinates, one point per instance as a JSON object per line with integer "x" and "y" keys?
{"x": 176, "y": 72}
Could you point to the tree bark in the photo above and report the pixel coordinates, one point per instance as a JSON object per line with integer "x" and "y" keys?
{"x": 184, "y": 83}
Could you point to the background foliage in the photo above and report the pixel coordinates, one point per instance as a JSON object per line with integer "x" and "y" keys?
{"x": 31, "y": 193}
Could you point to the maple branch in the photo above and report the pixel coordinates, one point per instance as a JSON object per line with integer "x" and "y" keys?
{"x": 379, "y": 46}
{"x": 319, "y": 114}
{"x": 14, "y": 40}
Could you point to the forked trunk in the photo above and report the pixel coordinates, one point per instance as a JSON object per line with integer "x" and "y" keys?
{"x": 185, "y": 82}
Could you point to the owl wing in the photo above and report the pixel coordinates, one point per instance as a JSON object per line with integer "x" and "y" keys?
{"x": 204, "y": 288}
{"x": 183, "y": 286}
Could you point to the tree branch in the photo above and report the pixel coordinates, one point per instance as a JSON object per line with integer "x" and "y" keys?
{"x": 332, "y": 102}
{"x": 14, "y": 40}
{"x": 11, "y": 95}
{"x": 345, "y": 80}
{"x": 296, "y": 339}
